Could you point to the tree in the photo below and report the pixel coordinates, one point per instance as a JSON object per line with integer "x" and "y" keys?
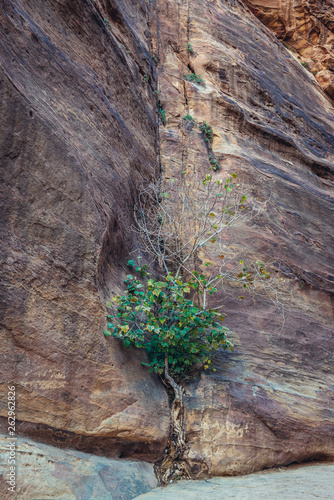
{"x": 169, "y": 316}
{"x": 177, "y": 221}
{"x": 160, "y": 317}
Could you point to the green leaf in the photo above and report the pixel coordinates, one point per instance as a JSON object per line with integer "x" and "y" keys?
{"x": 170, "y": 323}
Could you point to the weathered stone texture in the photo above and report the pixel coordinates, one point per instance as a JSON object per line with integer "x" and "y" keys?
{"x": 78, "y": 132}
{"x": 307, "y": 28}
{"x": 78, "y": 136}
{"x": 44, "y": 472}
{"x": 303, "y": 483}
{"x": 271, "y": 401}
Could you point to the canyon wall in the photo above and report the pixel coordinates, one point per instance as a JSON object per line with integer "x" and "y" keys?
{"x": 306, "y": 27}
{"x": 271, "y": 401}
{"x": 79, "y": 135}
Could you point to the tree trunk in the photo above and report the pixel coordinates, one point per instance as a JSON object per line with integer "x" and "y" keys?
{"x": 174, "y": 465}
{"x": 177, "y": 412}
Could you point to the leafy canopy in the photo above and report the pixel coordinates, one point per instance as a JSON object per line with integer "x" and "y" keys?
{"x": 160, "y": 317}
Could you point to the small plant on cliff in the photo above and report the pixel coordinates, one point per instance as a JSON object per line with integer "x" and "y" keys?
{"x": 145, "y": 79}
{"x": 190, "y": 48}
{"x": 192, "y": 77}
{"x": 306, "y": 66}
{"x": 215, "y": 165}
{"x": 162, "y": 115}
{"x": 107, "y": 23}
{"x": 207, "y": 132}
{"x": 188, "y": 118}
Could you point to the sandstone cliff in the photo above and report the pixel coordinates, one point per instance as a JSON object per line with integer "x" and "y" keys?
{"x": 273, "y": 126}
{"x": 79, "y": 133}
{"x": 307, "y": 29}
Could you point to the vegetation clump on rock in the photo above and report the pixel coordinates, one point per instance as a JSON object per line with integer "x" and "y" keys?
{"x": 206, "y": 129}
{"x": 192, "y": 77}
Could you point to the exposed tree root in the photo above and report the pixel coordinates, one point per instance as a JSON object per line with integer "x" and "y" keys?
{"x": 173, "y": 465}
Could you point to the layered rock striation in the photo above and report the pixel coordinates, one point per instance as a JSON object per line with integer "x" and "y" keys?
{"x": 47, "y": 472}
{"x": 78, "y": 137}
{"x": 271, "y": 401}
{"x": 306, "y": 27}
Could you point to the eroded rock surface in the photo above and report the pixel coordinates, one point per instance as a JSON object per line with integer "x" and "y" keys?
{"x": 78, "y": 133}
{"x": 45, "y": 472}
{"x": 78, "y": 137}
{"x": 304, "y": 483}
{"x": 307, "y": 28}
{"x": 271, "y": 401}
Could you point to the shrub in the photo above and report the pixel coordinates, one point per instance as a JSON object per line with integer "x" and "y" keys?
{"x": 189, "y": 48}
{"x": 207, "y": 132}
{"x": 162, "y": 114}
{"x": 189, "y": 118}
{"x": 160, "y": 317}
{"x": 192, "y": 77}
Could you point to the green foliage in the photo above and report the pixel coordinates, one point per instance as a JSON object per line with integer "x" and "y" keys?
{"x": 306, "y": 66}
{"x": 161, "y": 317}
{"x": 107, "y": 23}
{"x": 215, "y": 165}
{"x": 124, "y": 48}
{"x": 207, "y": 132}
{"x": 162, "y": 114}
{"x": 145, "y": 79}
{"x": 189, "y": 118}
{"x": 155, "y": 59}
{"x": 189, "y": 48}
{"x": 192, "y": 77}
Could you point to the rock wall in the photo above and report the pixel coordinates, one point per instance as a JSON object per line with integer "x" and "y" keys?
{"x": 307, "y": 29}
{"x": 271, "y": 401}
{"x": 78, "y": 136}
{"x": 47, "y": 472}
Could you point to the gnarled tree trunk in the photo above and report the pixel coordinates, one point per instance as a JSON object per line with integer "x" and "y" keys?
{"x": 173, "y": 464}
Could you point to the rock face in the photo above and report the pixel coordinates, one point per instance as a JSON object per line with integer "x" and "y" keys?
{"x": 271, "y": 401}
{"x": 46, "y": 472}
{"x": 307, "y": 27}
{"x": 78, "y": 136}
{"x": 303, "y": 483}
